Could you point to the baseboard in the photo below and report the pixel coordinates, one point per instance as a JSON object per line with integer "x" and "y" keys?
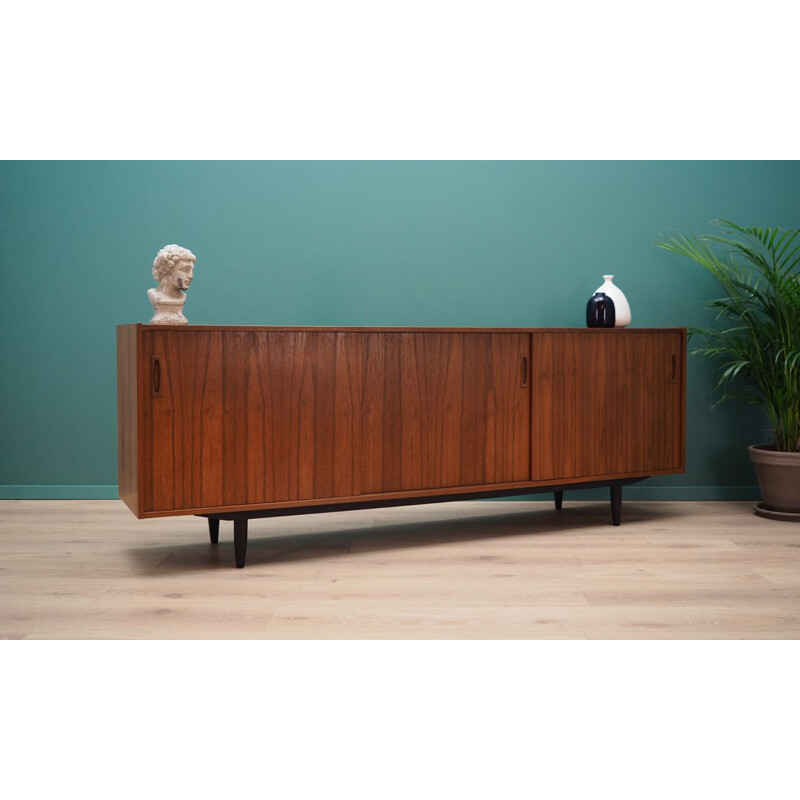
{"x": 645, "y": 492}
{"x": 58, "y": 491}
{"x": 637, "y": 492}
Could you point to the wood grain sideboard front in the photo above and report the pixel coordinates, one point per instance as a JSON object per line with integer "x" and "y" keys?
{"x": 242, "y": 422}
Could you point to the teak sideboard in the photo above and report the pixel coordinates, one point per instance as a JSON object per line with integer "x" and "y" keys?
{"x": 234, "y": 423}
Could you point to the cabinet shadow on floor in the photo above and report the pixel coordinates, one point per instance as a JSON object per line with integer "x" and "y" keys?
{"x": 325, "y": 536}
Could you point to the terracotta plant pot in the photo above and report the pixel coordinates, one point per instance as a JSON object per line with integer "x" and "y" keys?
{"x": 778, "y": 477}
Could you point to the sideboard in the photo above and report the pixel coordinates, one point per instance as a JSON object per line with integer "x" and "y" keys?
{"x": 235, "y": 423}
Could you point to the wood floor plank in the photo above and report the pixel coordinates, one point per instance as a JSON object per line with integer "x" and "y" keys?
{"x": 465, "y": 570}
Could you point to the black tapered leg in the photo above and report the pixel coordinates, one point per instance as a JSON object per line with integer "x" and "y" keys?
{"x": 559, "y": 499}
{"x": 616, "y": 504}
{"x": 240, "y": 540}
{"x": 213, "y": 530}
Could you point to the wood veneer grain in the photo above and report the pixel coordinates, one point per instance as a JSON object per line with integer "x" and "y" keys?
{"x": 185, "y": 424}
{"x": 444, "y": 410}
{"x": 606, "y": 405}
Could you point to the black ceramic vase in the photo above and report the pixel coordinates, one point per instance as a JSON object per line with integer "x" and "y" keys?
{"x": 600, "y": 311}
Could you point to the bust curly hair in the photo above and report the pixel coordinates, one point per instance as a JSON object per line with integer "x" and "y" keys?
{"x": 168, "y": 258}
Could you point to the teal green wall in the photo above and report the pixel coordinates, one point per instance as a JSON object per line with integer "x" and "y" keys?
{"x": 355, "y": 243}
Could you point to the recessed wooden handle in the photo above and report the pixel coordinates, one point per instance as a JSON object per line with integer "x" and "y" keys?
{"x": 674, "y": 368}
{"x": 523, "y": 363}
{"x": 155, "y": 376}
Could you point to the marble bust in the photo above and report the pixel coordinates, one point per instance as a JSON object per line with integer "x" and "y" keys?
{"x": 174, "y": 270}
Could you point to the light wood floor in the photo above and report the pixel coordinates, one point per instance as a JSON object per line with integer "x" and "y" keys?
{"x": 489, "y": 570}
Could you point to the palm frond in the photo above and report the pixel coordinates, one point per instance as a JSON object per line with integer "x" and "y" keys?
{"x": 756, "y": 341}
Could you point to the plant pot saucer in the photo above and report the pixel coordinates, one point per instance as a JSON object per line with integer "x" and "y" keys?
{"x": 786, "y": 516}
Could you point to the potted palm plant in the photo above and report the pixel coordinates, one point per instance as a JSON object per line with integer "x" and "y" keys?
{"x": 756, "y": 342}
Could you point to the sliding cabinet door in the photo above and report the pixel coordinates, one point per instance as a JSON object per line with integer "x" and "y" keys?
{"x": 445, "y": 410}
{"x": 606, "y": 403}
{"x": 237, "y": 418}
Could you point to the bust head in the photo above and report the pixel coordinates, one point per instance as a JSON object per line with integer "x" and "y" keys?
{"x": 173, "y": 268}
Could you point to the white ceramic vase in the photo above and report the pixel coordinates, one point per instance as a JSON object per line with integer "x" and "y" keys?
{"x": 622, "y": 311}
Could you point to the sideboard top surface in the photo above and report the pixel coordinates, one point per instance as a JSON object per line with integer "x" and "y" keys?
{"x": 392, "y": 329}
